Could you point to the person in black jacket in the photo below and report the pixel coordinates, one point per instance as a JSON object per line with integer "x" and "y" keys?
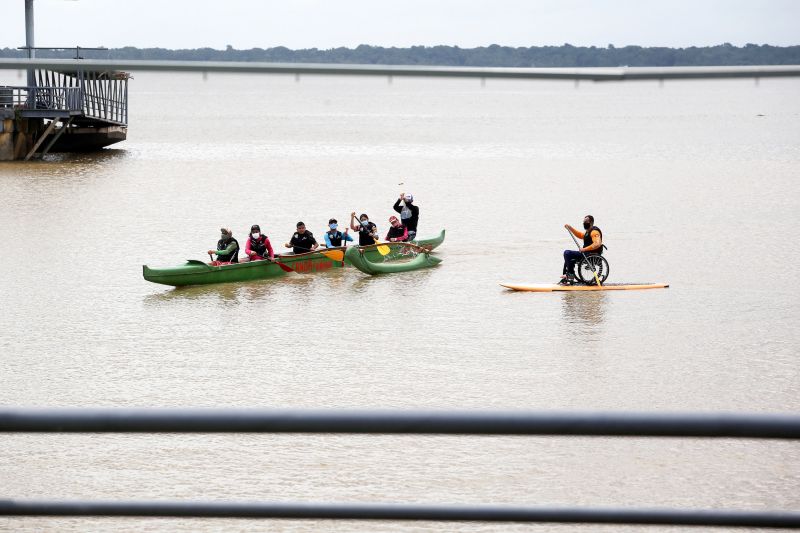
{"x": 409, "y": 214}
{"x": 302, "y": 241}
{"x": 367, "y": 231}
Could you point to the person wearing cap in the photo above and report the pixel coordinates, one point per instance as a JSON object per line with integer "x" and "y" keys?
{"x": 367, "y": 231}
{"x": 258, "y": 246}
{"x": 409, "y": 214}
{"x": 302, "y": 241}
{"x": 397, "y": 231}
{"x": 334, "y": 237}
{"x": 227, "y": 247}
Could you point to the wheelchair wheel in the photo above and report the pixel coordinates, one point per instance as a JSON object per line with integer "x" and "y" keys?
{"x": 600, "y": 265}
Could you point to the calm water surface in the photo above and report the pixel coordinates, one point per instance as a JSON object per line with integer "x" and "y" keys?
{"x": 693, "y": 183}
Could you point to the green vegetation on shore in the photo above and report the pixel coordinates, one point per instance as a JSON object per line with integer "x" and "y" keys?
{"x": 489, "y": 56}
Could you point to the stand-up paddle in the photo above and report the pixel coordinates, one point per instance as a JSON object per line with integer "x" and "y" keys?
{"x": 596, "y": 279}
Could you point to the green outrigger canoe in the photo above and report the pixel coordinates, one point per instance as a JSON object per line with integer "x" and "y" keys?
{"x": 360, "y": 259}
{"x": 195, "y": 272}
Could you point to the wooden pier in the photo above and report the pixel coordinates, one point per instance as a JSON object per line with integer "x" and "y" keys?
{"x": 63, "y": 111}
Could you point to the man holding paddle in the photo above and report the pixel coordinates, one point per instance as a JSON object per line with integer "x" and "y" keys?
{"x": 592, "y": 244}
{"x": 302, "y": 241}
{"x": 227, "y": 247}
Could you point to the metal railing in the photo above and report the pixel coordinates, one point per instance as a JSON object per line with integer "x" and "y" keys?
{"x": 64, "y": 99}
{"x": 394, "y": 422}
{"x": 100, "y": 96}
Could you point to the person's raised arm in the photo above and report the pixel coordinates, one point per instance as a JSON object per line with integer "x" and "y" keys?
{"x": 397, "y": 204}
{"x": 353, "y": 221}
{"x": 578, "y": 234}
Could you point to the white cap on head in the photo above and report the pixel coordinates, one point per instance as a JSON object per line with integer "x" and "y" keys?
{"x": 408, "y": 197}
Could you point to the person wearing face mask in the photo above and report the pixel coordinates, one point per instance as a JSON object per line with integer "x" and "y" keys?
{"x": 367, "y": 231}
{"x": 227, "y": 247}
{"x": 302, "y": 241}
{"x": 334, "y": 237}
{"x": 592, "y": 245}
{"x": 258, "y": 246}
{"x": 409, "y": 214}
{"x": 397, "y": 231}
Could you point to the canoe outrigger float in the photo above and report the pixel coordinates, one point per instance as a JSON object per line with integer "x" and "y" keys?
{"x": 195, "y": 272}
{"x": 568, "y": 288}
{"x": 361, "y": 259}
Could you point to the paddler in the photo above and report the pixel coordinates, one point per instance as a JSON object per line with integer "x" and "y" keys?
{"x": 397, "y": 231}
{"x": 258, "y": 246}
{"x": 227, "y": 247}
{"x": 302, "y": 241}
{"x": 334, "y": 237}
{"x": 592, "y": 245}
{"x": 367, "y": 231}
{"x": 409, "y": 214}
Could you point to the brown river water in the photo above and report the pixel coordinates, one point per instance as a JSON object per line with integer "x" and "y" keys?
{"x": 693, "y": 183}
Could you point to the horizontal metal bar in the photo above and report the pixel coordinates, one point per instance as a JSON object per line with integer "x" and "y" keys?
{"x": 726, "y": 425}
{"x": 592, "y": 74}
{"x": 361, "y": 511}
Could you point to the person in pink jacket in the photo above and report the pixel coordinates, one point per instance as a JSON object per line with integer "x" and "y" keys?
{"x": 258, "y": 246}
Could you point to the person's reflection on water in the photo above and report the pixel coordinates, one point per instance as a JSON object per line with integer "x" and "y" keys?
{"x": 584, "y": 311}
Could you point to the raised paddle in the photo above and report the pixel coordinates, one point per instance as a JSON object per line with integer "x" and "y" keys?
{"x": 596, "y": 279}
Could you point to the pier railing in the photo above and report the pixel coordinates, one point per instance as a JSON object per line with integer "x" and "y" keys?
{"x": 85, "y": 95}
{"x": 57, "y": 99}
{"x": 393, "y": 422}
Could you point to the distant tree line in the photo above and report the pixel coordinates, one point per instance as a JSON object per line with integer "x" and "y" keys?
{"x": 485, "y": 56}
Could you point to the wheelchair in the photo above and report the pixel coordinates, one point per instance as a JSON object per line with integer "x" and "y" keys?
{"x": 590, "y": 264}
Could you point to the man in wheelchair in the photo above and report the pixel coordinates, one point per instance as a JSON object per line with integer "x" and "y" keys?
{"x": 592, "y": 245}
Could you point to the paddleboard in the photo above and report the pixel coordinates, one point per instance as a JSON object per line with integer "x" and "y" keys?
{"x": 567, "y": 288}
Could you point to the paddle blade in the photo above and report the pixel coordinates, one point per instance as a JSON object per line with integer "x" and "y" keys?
{"x": 333, "y": 255}
{"x": 285, "y": 268}
{"x": 384, "y": 250}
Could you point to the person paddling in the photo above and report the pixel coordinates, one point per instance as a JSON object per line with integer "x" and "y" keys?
{"x": 367, "y": 231}
{"x": 409, "y": 214}
{"x": 227, "y": 247}
{"x": 302, "y": 241}
{"x": 334, "y": 237}
{"x": 592, "y": 245}
{"x": 397, "y": 231}
{"x": 258, "y": 246}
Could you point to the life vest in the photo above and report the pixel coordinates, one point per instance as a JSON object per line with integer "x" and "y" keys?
{"x": 587, "y": 240}
{"x": 232, "y": 257}
{"x": 335, "y": 237}
{"x": 365, "y": 234}
{"x": 259, "y": 246}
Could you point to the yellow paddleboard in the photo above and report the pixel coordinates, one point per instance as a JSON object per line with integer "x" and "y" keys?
{"x": 567, "y": 288}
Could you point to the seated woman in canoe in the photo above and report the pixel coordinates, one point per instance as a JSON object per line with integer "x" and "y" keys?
{"x": 227, "y": 248}
{"x": 334, "y": 237}
{"x": 397, "y": 231}
{"x": 258, "y": 246}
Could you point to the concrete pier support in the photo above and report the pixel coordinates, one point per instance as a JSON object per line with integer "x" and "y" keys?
{"x": 17, "y": 136}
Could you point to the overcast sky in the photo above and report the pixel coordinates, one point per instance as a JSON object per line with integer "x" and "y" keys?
{"x": 402, "y": 23}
